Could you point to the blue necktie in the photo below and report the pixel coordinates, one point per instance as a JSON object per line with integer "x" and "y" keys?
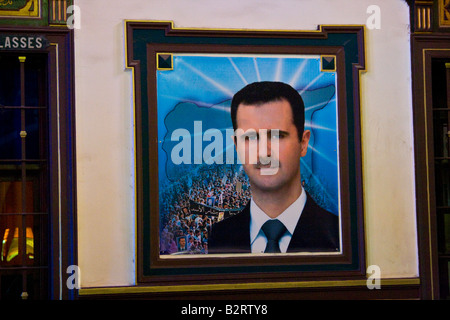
{"x": 273, "y": 229}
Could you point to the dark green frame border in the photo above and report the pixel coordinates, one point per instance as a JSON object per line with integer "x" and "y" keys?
{"x": 349, "y": 39}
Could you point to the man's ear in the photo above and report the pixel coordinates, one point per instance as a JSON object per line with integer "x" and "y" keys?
{"x": 304, "y": 143}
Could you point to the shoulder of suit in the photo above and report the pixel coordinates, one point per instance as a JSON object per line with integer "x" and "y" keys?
{"x": 239, "y": 217}
{"x": 313, "y": 208}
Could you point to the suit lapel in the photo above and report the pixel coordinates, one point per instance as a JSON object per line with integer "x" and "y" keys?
{"x": 242, "y": 229}
{"x": 302, "y": 233}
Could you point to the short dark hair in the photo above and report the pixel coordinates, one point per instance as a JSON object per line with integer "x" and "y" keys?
{"x": 258, "y": 93}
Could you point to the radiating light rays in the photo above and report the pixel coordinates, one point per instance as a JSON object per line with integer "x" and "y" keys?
{"x": 333, "y": 162}
{"x": 239, "y": 73}
{"x": 276, "y": 75}
{"x": 310, "y": 125}
{"x": 209, "y": 80}
{"x": 255, "y": 63}
{"x": 320, "y": 104}
{"x": 219, "y": 107}
{"x": 297, "y": 73}
{"x": 320, "y": 75}
{"x": 278, "y": 69}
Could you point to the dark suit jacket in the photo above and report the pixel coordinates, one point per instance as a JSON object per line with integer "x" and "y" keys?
{"x": 317, "y": 230}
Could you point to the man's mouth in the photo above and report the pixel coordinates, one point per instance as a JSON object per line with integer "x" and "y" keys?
{"x": 266, "y": 165}
{"x": 261, "y": 166}
{"x": 266, "y": 169}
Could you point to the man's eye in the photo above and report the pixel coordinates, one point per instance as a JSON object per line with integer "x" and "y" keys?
{"x": 252, "y": 137}
{"x": 277, "y": 135}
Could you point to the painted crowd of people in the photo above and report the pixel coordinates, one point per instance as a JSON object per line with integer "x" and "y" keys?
{"x": 191, "y": 205}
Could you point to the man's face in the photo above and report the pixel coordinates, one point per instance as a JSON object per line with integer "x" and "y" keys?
{"x": 271, "y": 117}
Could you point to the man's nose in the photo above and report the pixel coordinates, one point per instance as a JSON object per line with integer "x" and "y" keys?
{"x": 264, "y": 146}
{"x": 269, "y": 146}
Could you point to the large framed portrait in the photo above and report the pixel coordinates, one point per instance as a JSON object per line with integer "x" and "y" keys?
{"x": 199, "y": 200}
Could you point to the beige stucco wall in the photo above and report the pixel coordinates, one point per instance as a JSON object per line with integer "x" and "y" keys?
{"x": 104, "y": 122}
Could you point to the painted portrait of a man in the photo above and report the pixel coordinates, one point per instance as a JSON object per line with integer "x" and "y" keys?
{"x": 280, "y": 217}
{"x": 248, "y": 155}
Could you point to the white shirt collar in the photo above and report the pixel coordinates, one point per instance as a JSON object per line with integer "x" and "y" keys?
{"x": 288, "y": 217}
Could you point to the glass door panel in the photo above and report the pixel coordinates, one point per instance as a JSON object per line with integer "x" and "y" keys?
{"x": 24, "y": 189}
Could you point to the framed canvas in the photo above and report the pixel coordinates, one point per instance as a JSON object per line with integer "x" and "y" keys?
{"x": 189, "y": 173}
